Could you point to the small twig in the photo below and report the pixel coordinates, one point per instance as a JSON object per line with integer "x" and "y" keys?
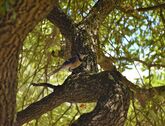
{"x": 141, "y": 61}
{"x": 40, "y": 94}
{"x": 62, "y": 115}
{"x": 138, "y": 73}
{"x": 149, "y": 75}
{"x": 36, "y": 122}
{"x": 78, "y": 110}
{"x": 133, "y": 105}
{"x": 73, "y": 119}
{"x": 24, "y": 97}
{"x": 162, "y": 17}
{"x": 44, "y": 85}
{"x": 152, "y": 7}
{"x": 145, "y": 115}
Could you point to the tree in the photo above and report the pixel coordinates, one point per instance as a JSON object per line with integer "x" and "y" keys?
{"x": 90, "y": 33}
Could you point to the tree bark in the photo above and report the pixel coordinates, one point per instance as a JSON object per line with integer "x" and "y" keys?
{"x": 111, "y": 109}
{"x": 8, "y": 80}
{"x": 12, "y": 33}
{"x": 113, "y": 99}
{"x": 81, "y": 36}
{"x": 106, "y": 88}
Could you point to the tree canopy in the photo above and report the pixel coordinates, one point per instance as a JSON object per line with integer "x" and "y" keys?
{"x": 128, "y": 35}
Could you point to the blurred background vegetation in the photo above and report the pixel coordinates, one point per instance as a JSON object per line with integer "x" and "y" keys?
{"x": 135, "y": 40}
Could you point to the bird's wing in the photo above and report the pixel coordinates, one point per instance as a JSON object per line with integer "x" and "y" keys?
{"x": 70, "y": 61}
{"x": 66, "y": 65}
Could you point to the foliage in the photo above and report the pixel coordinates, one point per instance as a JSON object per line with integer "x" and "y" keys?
{"x": 136, "y": 41}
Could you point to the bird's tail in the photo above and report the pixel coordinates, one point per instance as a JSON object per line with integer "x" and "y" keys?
{"x": 55, "y": 71}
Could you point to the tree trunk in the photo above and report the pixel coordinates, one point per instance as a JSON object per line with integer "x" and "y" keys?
{"x": 12, "y": 33}
{"x": 8, "y": 78}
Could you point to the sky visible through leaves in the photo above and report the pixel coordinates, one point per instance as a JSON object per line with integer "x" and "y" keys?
{"x": 135, "y": 40}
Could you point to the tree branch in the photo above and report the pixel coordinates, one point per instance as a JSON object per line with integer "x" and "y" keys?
{"x": 44, "y": 85}
{"x": 141, "y": 61}
{"x": 159, "y": 6}
{"x": 63, "y": 22}
{"x": 162, "y": 17}
{"x": 111, "y": 108}
{"x": 155, "y": 91}
{"x": 95, "y": 17}
{"x": 78, "y": 37}
{"x": 103, "y": 87}
{"x": 76, "y": 88}
{"x": 128, "y": 9}
{"x": 99, "y": 12}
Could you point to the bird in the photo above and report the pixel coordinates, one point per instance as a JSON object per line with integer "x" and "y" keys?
{"x": 70, "y": 64}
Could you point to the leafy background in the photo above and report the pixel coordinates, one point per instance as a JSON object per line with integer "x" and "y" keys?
{"x": 135, "y": 40}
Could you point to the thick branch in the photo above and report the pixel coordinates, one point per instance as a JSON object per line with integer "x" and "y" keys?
{"x": 95, "y": 17}
{"x": 99, "y": 12}
{"x": 111, "y": 108}
{"x": 63, "y": 22}
{"x": 88, "y": 88}
{"x": 143, "y": 95}
{"x": 77, "y": 88}
{"x": 78, "y": 38}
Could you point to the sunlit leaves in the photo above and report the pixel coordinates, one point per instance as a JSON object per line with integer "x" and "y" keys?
{"x": 136, "y": 41}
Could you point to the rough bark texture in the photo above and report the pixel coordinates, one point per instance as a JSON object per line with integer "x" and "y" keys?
{"x": 12, "y": 34}
{"x": 99, "y": 12}
{"x": 112, "y": 106}
{"x": 107, "y": 88}
{"x": 78, "y": 38}
{"x": 81, "y": 36}
{"x": 63, "y": 22}
{"x": 113, "y": 99}
{"x": 8, "y": 78}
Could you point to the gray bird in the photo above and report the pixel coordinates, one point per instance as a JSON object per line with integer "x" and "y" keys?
{"x": 70, "y": 64}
